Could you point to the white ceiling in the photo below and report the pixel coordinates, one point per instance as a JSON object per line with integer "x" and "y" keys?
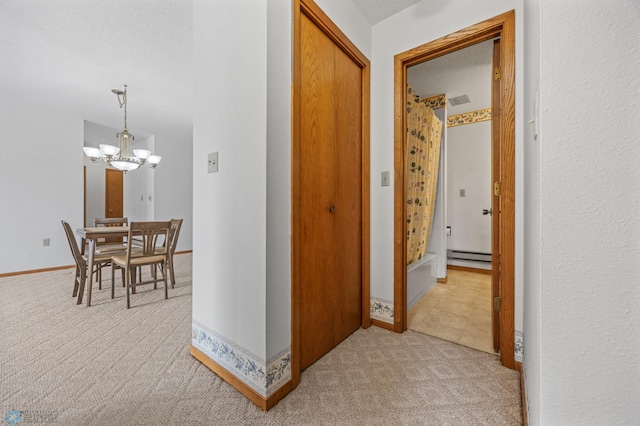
{"x": 378, "y": 10}
{"x": 464, "y": 72}
{"x": 68, "y": 55}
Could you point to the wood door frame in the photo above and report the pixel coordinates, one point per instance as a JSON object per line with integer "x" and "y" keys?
{"x": 315, "y": 14}
{"x": 495, "y": 200}
{"x": 502, "y": 26}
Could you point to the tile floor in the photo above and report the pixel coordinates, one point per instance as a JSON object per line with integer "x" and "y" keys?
{"x": 458, "y": 311}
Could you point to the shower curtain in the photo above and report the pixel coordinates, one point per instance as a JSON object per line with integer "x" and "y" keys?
{"x": 423, "y": 159}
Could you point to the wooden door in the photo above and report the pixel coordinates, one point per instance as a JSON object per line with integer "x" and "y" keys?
{"x": 113, "y": 199}
{"x": 495, "y": 199}
{"x": 330, "y": 200}
{"x": 114, "y": 184}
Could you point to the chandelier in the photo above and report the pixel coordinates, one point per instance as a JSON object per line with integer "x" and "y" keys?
{"x": 122, "y": 157}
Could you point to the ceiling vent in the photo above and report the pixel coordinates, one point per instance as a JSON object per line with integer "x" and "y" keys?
{"x": 459, "y": 100}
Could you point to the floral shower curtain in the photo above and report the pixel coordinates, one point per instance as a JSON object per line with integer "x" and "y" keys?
{"x": 423, "y": 159}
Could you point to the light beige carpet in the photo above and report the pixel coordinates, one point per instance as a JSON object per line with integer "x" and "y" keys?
{"x": 106, "y": 365}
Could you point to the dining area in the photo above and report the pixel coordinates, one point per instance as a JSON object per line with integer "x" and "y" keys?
{"x": 137, "y": 253}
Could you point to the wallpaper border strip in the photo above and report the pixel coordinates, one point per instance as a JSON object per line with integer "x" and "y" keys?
{"x": 435, "y": 102}
{"x": 469, "y": 117}
{"x": 381, "y": 310}
{"x": 518, "y": 347}
{"x": 263, "y": 377}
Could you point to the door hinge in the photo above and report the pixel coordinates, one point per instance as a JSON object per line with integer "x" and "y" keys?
{"x": 497, "y": 304}
{"x": 497, "y": 73}
{"x": 497, "y": 188}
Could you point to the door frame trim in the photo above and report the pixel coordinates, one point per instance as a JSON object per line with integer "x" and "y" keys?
{"x": 502, "y": 26}
{"x": 313, "y": 12}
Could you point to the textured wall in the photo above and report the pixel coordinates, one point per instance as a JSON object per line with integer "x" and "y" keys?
{"x": 590, "y": 221}
{"x": 38, "y": 190}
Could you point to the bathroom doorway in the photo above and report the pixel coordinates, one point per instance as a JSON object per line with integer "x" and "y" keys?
{"x": 501, "y": 27}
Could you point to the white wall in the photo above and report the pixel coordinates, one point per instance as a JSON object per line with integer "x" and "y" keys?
{"x": 173, "y": 182}
{"x": 350, "y": 21}
{"x": 229, "y": 207}
{"x": 139, "y": 188}
{"x": 279, "y": 75}
{"x": 589, "y": 303}
{"x": 412, "y": 27}
{"x": 532, "y": 319}
{"x": 38, "y": 189}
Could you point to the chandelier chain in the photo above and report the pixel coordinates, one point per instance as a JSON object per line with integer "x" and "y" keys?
{"x": 123, "y": 103}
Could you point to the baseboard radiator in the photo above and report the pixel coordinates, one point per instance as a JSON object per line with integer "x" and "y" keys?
{"x": 474, "y": 256}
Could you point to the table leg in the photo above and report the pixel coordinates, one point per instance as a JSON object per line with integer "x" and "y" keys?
{"x": 92, "y": 252}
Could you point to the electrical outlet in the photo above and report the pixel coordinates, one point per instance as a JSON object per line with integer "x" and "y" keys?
{"x": 46, "y": 242}
{"x": 212, "y": 162}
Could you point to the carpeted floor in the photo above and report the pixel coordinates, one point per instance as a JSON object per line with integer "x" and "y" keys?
{"x": 61, "y": 363}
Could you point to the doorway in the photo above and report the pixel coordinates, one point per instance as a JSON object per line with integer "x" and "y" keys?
{"x": 113, "y": 193}
{"x": 502, "y": 27}
{"x": 458, "y": 87}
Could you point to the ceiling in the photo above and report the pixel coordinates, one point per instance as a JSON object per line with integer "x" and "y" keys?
{"x": 464, "y": 72}
{"x": 68, "y": 55}
{"x": 378, "y": 10}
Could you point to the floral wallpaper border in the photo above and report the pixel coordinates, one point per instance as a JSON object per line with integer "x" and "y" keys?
{"x": 382, "y": 310}
{"x": 263, "y": 377}
{"x": 518, "y": 347}
{"x": 469, "y": 117}
{"x": 435, "y": 102}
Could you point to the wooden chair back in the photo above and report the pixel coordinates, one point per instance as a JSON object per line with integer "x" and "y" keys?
{"x": 73, "y": 244}
{"x": 174, "y": 233}
{"x": 111, "y": 221}
{"x": 148, "y": 235}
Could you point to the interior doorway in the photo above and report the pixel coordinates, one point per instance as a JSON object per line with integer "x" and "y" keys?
{"x": 458, "y": 87}
{"x": 113, "y": 193}
{"x": 501, "y": 27}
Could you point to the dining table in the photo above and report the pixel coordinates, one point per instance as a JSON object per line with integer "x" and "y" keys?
{"x": 90, "y": 236}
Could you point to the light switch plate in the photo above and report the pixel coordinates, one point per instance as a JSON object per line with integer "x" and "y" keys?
{"x": 386, "y": 178}
{"x": 212, "y": 162}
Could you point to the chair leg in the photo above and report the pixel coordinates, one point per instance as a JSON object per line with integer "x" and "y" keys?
{"x": 164, "y": 276}
{"x": 154, "y": 275}
{"x": 76, "y": 282}
{"x": 128, "y": 282}
{"x": 99, "y": 274}
{"x": 113, "y": 280}
{"x": 173, "y": 276}
{"x": 83, "y": 279}
{"x": 132, "y": 280}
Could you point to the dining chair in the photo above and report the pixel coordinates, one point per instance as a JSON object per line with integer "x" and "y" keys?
{"x": 82, "y": 262}
{"x": 151, "y": 252}
{"x": 174, "y": 233}
{"x": 107, "y": 245}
